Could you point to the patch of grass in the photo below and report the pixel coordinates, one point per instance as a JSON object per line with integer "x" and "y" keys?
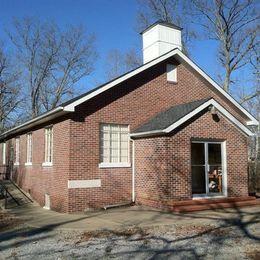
{"x": 8, "y": 221}
{"x": 195, "y": 229}
{"x": 254, "y": 254}
{"x": 118, "y": 233}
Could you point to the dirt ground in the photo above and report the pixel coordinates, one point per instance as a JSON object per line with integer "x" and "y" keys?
{"x": 230, "y": 239}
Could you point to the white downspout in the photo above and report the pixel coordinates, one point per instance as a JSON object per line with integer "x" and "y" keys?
{"x": 133, "y": 170}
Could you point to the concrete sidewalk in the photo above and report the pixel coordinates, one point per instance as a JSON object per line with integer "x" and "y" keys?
{"x": 119, "y": 218}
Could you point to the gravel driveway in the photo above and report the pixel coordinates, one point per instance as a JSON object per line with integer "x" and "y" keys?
{"x": 230, "y": 238}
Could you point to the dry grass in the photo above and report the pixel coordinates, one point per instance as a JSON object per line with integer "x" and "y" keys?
{"x": 119, "y": 233}
{"x": 8, "y": 221}
{"x": 177, "y": 230}
{"x": 254, "y": 254}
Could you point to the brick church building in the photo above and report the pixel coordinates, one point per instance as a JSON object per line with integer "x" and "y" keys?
{"x": 162, "y": 133}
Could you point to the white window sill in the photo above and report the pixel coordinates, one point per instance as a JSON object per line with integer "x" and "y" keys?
{"x": 16, "y": 164}
{"x": 28, "y": 164}
{"x": 47, "y": 164}
{"x": 114, "y": 165}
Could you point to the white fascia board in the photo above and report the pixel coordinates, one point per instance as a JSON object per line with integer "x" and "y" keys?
{"x": 220, "y": 89}
{"x": 221, "y": 109}
{"x": 232, "y": 119}
{"x": 188, "y": 116}
{"x": 148, "y": 133}
{"x": 37, "y": 120}
{"x": 120, "y": 80}
{"x": 182, "y": 57}
{"x": 212, "y": 102}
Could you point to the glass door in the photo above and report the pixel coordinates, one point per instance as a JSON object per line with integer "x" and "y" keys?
{"x": 207, "y": 168}
{"x": 198, "y": 166}
{"x": 215, "y": 178}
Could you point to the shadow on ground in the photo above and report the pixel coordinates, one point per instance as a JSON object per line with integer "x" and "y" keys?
{"x": 216, "y": 226}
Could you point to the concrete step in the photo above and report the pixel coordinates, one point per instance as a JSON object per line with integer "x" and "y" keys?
{"x": 215, "y": 205}
{"x": 210, "y": 201}
{"x": 15, "y": 196}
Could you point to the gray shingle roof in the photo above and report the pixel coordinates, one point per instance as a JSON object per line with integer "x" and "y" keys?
{"x": 171, "y": 25}
{"x": 170, "y": 116}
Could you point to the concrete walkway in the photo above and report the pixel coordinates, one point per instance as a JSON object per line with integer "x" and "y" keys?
{"x": 119, "y": 218}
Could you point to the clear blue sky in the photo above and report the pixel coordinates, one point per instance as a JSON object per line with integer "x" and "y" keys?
{"x": 112, "y": 21}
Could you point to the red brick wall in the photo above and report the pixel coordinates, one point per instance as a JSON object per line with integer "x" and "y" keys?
{"x": 133, "y": 102}
{"x": 163, "y": 164}
{"x": 76, "y": 139}
{"x": 37, "y": 179}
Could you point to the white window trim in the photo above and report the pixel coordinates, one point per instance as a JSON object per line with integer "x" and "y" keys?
{"x": 4, "y": 153}
{"x": 114, "y": 165}
{"x": 47, "y": 163}
{"x": 17, "y": 151}
{"x": 28, "y": 162}
{"x": 117, "y": 164}
{"x": 224, "y": 171}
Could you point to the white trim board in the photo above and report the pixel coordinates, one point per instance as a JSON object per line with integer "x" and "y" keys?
{"x": 182, "y": 57}
{"x": 71, "y": 107}
{"x": 173, "y": 126}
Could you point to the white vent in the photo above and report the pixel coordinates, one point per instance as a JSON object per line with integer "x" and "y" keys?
{"x": 159, "y": 39}
{"x": 171, "y": 73}
{"x": 47, "y": 202}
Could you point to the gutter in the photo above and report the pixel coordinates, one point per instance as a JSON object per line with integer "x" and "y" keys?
{"x": 56, "y": 112}
{"x": 133, "y": 170}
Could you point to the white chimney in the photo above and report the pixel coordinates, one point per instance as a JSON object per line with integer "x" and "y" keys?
{"x": 159, "y": 38}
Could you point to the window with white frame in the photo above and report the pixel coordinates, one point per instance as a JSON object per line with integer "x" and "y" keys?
{"x": 48, "y": 145}
{"x": 171, "y": 72}
{"x": 4, "y": 152}
{"x": 29, "y": 148}
{"x": 114, "y": 140}
{"x": 17, "y": 151}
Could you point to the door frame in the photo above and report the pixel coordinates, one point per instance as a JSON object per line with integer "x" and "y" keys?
{"x": 224, "y": 169}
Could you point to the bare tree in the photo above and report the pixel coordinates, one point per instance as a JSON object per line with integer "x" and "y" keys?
{"x": 10, "y": 97}
{"x": 118, "y": 63}
{"x": 251, "y": 101}
{"x": 53, "y": 61}
{"x": 114, "y": 64}
{"x": 172, "y": 11}
{"x": 132, "y": 60}
{"x": 233, "y": 23}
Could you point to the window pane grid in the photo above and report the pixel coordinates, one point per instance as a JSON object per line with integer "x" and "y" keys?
{"x": 17, "y": 150}
{"x": 114, "y": 143}
{"x": 29, "y": 148}
{"x": 48, "y": 145}
{"x": 4, "y": 152}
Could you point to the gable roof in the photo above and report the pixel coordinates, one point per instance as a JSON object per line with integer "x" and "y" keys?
{"x": 165, "y": 122}
{"x": 170, "y": 116}
{"x": 70, "y": 105}
{"x": 176, "y": 53}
